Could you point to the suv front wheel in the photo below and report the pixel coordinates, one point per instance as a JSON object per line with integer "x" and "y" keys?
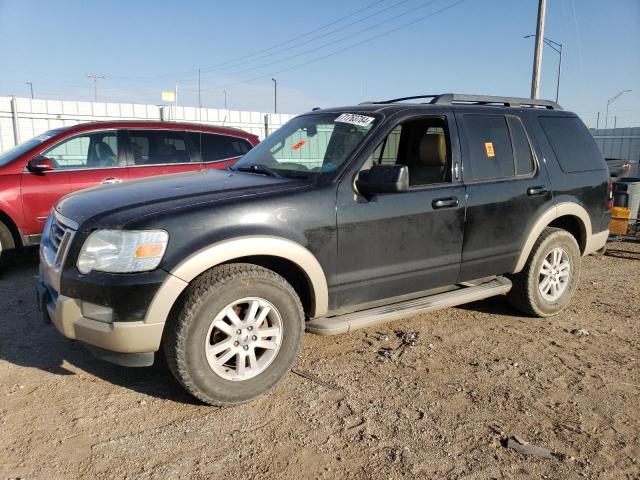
{"x": 550, "y": 277}
{"x": 237, "y": 335}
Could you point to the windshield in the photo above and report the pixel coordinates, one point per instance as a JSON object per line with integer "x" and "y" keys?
{"x": 15, "y": 152}
{"x": 308, "y": 146}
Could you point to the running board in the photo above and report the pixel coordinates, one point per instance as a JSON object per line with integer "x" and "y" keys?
{"x": 387, "y": 313}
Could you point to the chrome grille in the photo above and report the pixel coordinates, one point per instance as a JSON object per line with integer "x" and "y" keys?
{"x": 56, "y": 234}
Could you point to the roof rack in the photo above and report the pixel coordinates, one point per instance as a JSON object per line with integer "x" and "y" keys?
{"x": 464, "y": 99}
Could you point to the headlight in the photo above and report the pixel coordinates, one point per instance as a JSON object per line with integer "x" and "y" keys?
{"x": 122, "y": 251}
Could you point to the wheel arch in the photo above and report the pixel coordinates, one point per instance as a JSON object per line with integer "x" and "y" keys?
{"x": 287, "y": 258}
{"x": 13, "y": 228}
{"x": 569, "y": 216}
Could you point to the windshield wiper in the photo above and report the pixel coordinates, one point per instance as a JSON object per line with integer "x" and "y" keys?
{"x": 260, "y": 169}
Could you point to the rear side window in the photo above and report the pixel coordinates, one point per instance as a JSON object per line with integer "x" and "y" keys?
{"x": 573, "y": 145}
{"x": 217, "y": 147}
{"x": 158, "y": 147}
{"x": 491, "y": 155}
{"x": 521, "y": 146}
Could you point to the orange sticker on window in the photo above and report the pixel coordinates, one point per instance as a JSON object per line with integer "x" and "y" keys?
{"x": 488, "y": 146}
{"x": 298, "y": 145}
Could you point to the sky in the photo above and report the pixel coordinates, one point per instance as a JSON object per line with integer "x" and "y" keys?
{"x": 329, "y": 53}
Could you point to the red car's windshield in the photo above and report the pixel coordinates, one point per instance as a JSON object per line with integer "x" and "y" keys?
{"x": 15, "y": 152}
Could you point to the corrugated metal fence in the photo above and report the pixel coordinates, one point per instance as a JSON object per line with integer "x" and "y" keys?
{"x": 23, "y": 118}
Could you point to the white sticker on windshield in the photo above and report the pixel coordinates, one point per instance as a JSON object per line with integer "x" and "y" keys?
{"x": 355, "y": 119}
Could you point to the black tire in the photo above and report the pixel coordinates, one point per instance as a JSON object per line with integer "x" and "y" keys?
{"x": 208, "y": 295}
{"x": 525, "y": 294}
{"x": 7, "y": 245}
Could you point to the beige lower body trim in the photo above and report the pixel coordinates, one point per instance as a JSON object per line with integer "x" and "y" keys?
{"x": 595, "y": 242}
{"x": 122, "y": 337}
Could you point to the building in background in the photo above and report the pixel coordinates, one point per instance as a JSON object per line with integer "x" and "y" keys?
{"x": 621, "y": 148}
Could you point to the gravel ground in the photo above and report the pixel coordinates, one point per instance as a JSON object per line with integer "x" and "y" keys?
{"x": 433, "y": 396}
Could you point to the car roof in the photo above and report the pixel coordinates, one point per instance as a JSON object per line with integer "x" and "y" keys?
{"x": 156, "y": 124}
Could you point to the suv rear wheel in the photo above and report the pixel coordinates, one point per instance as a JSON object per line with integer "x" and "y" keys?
{"x": 7, "y": 245}
{"x": 237, "y": 335}
{"x": 550, "y": 277}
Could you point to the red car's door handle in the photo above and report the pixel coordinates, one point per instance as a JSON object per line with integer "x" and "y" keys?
{"x": 110, "y": 180}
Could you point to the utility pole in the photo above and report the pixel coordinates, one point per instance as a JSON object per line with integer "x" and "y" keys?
{"x": 225, "y": 99}
{"x": 95, "y": 78}
{"x": 609, "y": 102}
{"x": 31, "y": 87}
{"x": 537, "y": 58}
{"x": 275, "y": 95}
{"x": 199, "y": 97}
{"x": 598, "y": 121}
{"x": 557, "y": 47}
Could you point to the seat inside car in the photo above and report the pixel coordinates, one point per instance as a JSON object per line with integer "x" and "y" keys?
{"x": 432, "y": 160}
{"x": 104, "y": 156}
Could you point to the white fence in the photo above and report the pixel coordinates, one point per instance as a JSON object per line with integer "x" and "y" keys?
{"x": 23, "y": 118}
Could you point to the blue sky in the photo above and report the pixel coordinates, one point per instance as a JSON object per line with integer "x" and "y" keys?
{"x": 144, "y": 47}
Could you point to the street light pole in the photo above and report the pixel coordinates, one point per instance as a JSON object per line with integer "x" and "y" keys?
{"x": 275, "y": 95}
{"x": 30, "y": 87}
{"x": 609, "y": 102}
{"x": 95, "y": 79}
{"x": 225, "y": 99}
{"x": 537, "y": 58}
{"x": 558, "y": 48}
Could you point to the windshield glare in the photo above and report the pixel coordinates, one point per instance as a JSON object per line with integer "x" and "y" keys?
{"x": 24, "y": 147}
{"x": 310, "y": 145}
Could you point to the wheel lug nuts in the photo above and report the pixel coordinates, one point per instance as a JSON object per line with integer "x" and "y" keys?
{"x": 246, "y": 347}
{"x": 254, "y": 338}
{"x": 238, "y": 332}
{"x": 250, "y": 328}
{"x": 235, "y": 344}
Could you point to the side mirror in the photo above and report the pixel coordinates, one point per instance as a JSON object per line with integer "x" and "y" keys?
{"x": 383, "y": 179}
{"x": 40, "y": 164}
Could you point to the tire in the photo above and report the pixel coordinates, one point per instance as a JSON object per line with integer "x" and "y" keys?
{"x": 526, "y": 294}
{"x": 7, "y": 245}
{"x": 196, "y": 341}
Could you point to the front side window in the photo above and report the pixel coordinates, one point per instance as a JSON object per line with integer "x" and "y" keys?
{"x": 309, "y": 145}
{"x": 158, "y": 147}
{"x": 422, "y": 145}
{"x": 491, "y": 154}
{"x": 93, "y": 150}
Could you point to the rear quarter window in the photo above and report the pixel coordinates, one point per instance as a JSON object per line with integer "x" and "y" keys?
{"x": 572, "y": 144}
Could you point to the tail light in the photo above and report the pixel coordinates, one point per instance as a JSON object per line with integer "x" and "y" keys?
{"x": 610, "y": 200}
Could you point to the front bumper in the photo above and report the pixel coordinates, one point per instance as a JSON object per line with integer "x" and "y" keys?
{"x": 124, "y": 343}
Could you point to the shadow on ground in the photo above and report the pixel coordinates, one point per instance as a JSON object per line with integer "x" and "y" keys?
{"x": 27, "y": 341}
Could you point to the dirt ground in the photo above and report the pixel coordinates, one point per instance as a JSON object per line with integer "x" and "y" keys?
{"x": 379, "y": 403}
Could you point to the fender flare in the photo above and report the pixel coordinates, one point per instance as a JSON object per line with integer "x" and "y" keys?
{"x": 559, "y": 210}
{"x": 220, "y": 252}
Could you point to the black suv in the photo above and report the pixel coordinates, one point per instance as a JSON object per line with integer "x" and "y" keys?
{"x": 343, "y": 218}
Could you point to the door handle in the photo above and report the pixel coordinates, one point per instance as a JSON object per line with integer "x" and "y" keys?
{"x": 445, "y": 202}
{"x": 110, "y": 180}
{"x": 534, "y": 191}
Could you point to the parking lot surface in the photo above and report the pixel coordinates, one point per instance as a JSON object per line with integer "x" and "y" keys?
{"x": 432, "y": 396}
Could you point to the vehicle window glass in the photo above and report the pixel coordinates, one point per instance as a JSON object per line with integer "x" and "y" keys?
{"x": 422, "y": 146}
{"x": 94, "y": 150}
{"x": 158, "y": 147}
{"x": 491, "y": 155}
{"x": 310, "y": 145}
{"x": 573, "y": 145}
{"x": 13, "y": 153}
{"x": 218, "y": 147}
{"x": 524, "y": 157}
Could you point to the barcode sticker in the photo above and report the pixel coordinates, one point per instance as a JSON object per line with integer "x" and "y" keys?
{"x": 355, "y": 119}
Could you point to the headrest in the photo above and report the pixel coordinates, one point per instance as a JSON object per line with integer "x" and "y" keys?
{"x": 433, "y": 150}
{"x": 104, "y": 151}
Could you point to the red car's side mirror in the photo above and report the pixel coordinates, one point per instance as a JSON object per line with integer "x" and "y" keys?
{"x": 40, "y": 164}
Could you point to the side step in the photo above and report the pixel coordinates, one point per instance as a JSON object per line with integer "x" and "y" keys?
{"x": 387, "y": 313}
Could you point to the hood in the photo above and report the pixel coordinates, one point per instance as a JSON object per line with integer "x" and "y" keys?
{"x": 156, "y": 194}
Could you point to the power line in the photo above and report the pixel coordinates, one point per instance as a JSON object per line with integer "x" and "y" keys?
{"x": 332, "y": 42}
{"x": 388, "y": 32}
{"x": 259, "y": 52}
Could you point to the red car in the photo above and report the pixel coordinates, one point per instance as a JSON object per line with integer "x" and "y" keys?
{"x": 35, "y": 174}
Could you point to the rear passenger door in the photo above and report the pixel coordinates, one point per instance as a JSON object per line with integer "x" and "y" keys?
{"x": 507, "y": 189}
{"x": 160, "y": 152}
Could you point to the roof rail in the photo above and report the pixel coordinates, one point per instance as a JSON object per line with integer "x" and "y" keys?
{"x": 464, "y": 99}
